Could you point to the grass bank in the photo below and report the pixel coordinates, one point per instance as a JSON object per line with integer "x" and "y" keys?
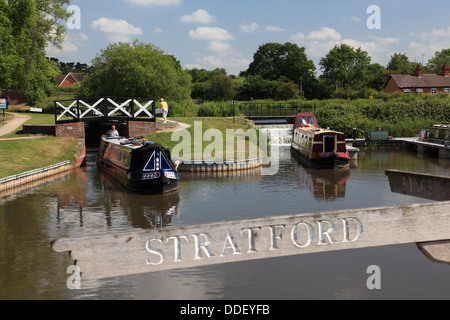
{"x": 19, "y": 156}
{"x": 215, "y": 132}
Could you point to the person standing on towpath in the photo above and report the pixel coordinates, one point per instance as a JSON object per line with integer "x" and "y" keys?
{"x": 165, "y": 109}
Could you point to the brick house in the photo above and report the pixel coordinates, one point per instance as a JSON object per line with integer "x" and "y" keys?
{"x": 70, "y": 79}
{"x": 420, "y": 83}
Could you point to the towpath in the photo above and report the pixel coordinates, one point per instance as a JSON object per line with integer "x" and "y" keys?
{"x": 12, "y": 125}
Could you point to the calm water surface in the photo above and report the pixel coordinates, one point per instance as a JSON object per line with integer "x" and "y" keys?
{"x": 87, "y": 203}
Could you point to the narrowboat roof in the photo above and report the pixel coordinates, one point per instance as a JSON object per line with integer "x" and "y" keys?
{"x": 122, "y": 141}
{"x": 317, "y": 130}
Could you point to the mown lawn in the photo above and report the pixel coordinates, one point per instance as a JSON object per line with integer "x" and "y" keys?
{"x": 17, "y": 156}
{"x": 213, "y": 138}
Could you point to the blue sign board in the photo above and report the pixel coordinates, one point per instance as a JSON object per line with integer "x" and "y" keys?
{"x": 3, "y": 103}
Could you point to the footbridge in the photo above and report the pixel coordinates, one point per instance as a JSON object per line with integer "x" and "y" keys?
{"x": 90, "y": 117}
{"x": 272, "y": 112}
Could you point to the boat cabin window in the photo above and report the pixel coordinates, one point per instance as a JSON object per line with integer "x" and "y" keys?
{"x": 306, "y": 120}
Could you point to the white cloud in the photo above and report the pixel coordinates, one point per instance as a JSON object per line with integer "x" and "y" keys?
{"x": 274, "y": 29}
{"x": 71, "y": 44}
{"x": 157, "y": 30}
{"x": 433, "y": 35}
{"x": 117, "y": 30}
{"x": 219, "y": 46}
{"x": 352, "y": 19}
{"x": 210, "y": 34}
{"x": 233, "y": 64}
{"x": 194, "y": 66}
{"x": 427, "y": 43}
{"x": 154, "y": 2}
{"x": 324, "y": 34}
{"x": 199, "y": 16}
{"x": 115, "y": 26}
{"x": 249, "y": 28}
{"x": 319, "y": 42}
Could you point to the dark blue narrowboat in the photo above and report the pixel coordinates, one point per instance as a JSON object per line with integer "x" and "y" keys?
{"x": 139, "y": 165}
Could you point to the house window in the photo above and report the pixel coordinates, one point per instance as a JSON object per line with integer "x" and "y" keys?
{"x": 447, "y": 90}
{"x": 406, "y": 91}
{"x": 433, "y": 90}
{"x": 419, "y": 90}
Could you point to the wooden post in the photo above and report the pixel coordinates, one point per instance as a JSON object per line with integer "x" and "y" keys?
{"x": 421, "y": 185}
{"x": 142, "y": 251}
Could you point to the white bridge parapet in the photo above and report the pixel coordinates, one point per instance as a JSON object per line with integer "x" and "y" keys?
{"x": 104, "y": 107}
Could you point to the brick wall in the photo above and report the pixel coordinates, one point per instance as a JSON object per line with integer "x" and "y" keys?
{"x": 73, "y": 130}
{"x": 391, "y": 87}
{"x": 140, "y": 128}
{"x": 47, "y": 129}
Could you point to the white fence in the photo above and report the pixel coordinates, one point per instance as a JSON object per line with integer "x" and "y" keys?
{"x": 106, "y": 108}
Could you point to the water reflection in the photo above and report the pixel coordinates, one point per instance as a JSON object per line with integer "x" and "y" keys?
{"x": 86, "y": 203}
{"x": 326, "y": 184}
{"x": 139, "y": 210}
{"x": 144, "y": 211}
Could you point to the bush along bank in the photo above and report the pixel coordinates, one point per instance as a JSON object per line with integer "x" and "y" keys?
{"x": 402, "y": 117}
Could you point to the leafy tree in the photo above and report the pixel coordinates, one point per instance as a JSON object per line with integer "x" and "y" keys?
{"x": 204, "y": 87}
{"x": 440, "y": 58}
{"x": 400, "y": 63}
{"x": 8, "y": 59}
{"x": 220, "y": 88}
{"x": 378, "y": 76}
{"x": 137, "y": 70}
{"x": 287, "y": 91}
{"x": 255, "y": 87}
{"x": 26, "y": 27}
{"x": 275, "y": 61}
{"x": 344, "y": 67}
{"x": 203, "y": 75}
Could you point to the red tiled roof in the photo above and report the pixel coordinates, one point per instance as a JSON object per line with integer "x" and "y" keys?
{"x": 425, "y": 81}
{"x": 78, "y": 77}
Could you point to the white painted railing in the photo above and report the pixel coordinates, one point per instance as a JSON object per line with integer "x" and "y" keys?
{"x": 104, "y": 107}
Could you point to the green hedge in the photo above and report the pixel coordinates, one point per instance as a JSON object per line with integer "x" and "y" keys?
{"x": 401, "y": 117}
{"x": 218, "y": 109}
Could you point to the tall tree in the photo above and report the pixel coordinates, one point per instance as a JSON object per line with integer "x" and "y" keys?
{"x": 344, "y": 67}
{"x": 400, "y": 63}
{"x": 137, "y": 70}
{"x": 440, "y": 58}
{"x": 286, "y": 62}
{"x": 8, "y": 59}
{"x": 34, "y": 24}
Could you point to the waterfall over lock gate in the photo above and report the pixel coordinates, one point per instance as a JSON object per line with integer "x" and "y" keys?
{"x": 279, "y": 134}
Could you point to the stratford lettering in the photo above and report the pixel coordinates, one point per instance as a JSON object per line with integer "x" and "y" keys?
{"x": 233, "y": 242}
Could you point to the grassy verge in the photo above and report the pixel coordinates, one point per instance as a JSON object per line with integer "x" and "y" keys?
{"x": 214, "y": 139}
{"x": 19, "y": 156}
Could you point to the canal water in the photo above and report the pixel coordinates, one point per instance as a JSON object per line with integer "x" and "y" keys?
{"x": 86, "y": 203}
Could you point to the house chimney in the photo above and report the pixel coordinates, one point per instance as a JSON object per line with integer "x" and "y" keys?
{"x": 419, "y": 70}
{"x": 446, "y": 70}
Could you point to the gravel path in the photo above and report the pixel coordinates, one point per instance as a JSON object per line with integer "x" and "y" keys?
{"x": 12, "y": 125}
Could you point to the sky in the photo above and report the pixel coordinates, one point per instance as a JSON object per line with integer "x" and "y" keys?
{"x": 210, "y": 34}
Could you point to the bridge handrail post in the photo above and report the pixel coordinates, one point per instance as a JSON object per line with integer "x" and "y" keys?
{"x": 78, "y": 110}
{"x": 56, "y": 112}
{"x": 105, "y": 108}
{"x": 154, "y": 110}
{"x": 132, "y": 108}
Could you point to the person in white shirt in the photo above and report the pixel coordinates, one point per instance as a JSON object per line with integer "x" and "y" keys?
{"x": 113, "y": 132}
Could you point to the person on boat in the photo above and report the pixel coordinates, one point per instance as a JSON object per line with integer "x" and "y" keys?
{"x": 113, "y": 132}
{"x": 165, "y": 109}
